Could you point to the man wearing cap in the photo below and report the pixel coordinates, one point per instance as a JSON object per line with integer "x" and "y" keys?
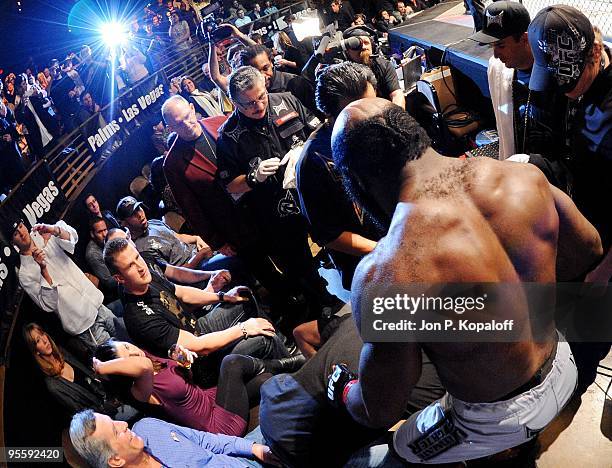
{"x": 156, "y": 238}
{"x": 527, "y": 122}
{"x": 570, "y": 61}
{"x": 388, "y": 84}
{"x": 56, "y": 284}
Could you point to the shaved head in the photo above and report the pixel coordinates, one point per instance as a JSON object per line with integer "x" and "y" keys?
{"x": 372, "y": 141}
{"x": 179, "y": 114}
{"x": 359, "y": 111}
{"x": 172, "y": 105}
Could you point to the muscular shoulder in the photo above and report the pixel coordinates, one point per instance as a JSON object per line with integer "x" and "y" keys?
{"x": 514, "y": 193}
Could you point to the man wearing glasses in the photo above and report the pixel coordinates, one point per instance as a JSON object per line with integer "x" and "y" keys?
{"x": 257, "y": 150}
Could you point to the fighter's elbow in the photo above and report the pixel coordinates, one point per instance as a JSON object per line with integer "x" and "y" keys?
{"x": 595, "y": 247}
{"x": 384, "y": 417}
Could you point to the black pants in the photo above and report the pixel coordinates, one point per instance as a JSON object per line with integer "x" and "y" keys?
{"x": 238, "y": 385}
{"x": 287, "y": 245}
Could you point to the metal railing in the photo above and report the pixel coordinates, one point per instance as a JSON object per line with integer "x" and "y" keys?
{"x": 598, "y": 11}
{"x": 71, "y": 159}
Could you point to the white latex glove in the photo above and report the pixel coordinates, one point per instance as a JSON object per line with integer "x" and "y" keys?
{"x": 291, "y": 159}
{"x": 266, "y": 168}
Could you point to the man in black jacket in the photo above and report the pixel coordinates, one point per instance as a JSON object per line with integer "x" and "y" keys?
{"x": 257, "y": 150}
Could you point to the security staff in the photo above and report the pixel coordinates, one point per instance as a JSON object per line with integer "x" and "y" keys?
{"x": 257, "y": 150}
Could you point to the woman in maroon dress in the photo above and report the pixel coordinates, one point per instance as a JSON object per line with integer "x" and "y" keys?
{"x": 166, "y": 383}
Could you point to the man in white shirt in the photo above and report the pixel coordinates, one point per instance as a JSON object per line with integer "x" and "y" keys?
{"x": 56, "y": 284}
{"x": 242, "y": 18}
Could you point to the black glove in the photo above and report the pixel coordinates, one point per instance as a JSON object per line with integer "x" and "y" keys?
{"x": 336, "y": 383}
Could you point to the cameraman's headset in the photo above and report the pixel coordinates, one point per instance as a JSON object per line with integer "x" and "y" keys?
{"x": 360, "y": 30}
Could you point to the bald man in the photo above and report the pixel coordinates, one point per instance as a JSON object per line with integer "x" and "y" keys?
{"x": 457, "y": 221}
{"x": 191, "y": 171}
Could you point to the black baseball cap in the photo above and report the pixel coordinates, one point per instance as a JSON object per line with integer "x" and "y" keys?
{"x": 358, "y": 30}
{"x": 561, "y": 38}
{"x": 14, "y": 225}
{"x": 502, "y": 20}
{"x": 127, "y": 206}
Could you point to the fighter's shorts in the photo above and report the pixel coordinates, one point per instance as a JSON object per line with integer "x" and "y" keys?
{"x": 450, "y": 430}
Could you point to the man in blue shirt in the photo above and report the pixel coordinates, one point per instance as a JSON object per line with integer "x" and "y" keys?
{"x": 103, "y": 442}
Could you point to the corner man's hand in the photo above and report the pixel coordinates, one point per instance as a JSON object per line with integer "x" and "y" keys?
{"x": 265, "y": 455}
{"x": 97, "y": 366}
{"x": 266, "y": 168}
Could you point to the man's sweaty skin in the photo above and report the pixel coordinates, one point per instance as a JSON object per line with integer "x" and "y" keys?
{"x": 476, "y": 220}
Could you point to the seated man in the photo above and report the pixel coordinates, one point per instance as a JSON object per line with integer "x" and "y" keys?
{"x": 296, "y": 419}
{"x": 211, "y": 281}
{"x": 56, "y": 284}
{"x": 94, "y": 210}
{"x": 156, "y": 319}
{"x": 157, "y": 238}
{"x": 457, "y": 221}
{"x": 93, "y": 255}
{"x": 103, "y": 442}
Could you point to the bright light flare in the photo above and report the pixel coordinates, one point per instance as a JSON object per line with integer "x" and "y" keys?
{"x": 113, "y": 33}
{"x": 306, "y": 26}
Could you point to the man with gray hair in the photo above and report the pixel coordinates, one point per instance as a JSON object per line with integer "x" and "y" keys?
{"x": 103, "y": 442}
{"x": 258, "y": 148}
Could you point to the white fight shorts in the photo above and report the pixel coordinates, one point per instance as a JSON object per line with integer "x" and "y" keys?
{"x": 450, "y": 430}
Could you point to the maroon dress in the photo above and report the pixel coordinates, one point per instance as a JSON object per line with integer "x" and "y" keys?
{"x": 189, "y": 405}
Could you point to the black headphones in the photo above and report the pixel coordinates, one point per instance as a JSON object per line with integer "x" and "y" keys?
{"x": 363, "y": 30}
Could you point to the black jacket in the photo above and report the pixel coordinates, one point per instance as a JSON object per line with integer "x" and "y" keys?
{"x": 244, "y": 142}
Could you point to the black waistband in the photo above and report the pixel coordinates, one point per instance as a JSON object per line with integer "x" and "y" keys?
{"x": 538, "y": 376}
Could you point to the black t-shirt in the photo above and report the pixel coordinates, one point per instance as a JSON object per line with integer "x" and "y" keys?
{"x": 591, "y": 141}
{"x": 300, "y": 87}
{"x": 385, "y": 76}
{"x": 154, "y": 319}
{"x": 325, "y": 203}
{"x": 344, "y": 345}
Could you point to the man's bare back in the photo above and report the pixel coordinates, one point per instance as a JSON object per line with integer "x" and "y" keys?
{"x": 453, "y": 221}
{"x": 472, "y": 221}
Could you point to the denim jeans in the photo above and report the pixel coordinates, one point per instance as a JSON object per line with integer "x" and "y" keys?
{"x": 101, "y": 330}
{"x": 228, "y": 315}
{"x": 222, "y": 317}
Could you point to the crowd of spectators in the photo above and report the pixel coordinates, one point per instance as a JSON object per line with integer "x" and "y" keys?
{"x": 47, "y": 102}
{"x": 200, "y": 321}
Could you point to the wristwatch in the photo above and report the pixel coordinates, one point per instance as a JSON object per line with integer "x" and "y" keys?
{"x": 221, "y": 295}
